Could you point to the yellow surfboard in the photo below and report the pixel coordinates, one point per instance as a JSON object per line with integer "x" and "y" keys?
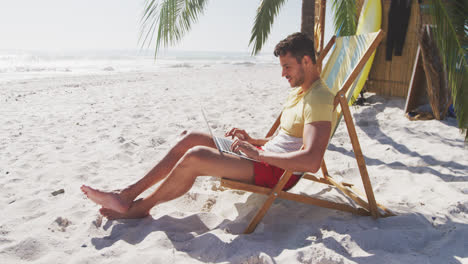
{"x": 370, "y": 20}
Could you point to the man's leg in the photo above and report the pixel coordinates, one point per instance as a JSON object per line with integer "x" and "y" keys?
{"x": 121, "y": 201}
{"x": 198, "y": 161}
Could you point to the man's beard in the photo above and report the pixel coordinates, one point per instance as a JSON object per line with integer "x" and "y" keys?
{"x": 299, "y": 79}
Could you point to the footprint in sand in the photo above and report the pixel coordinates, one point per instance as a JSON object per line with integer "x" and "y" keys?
{"x": 192, "y": 118}
{"x": 26, "y": 166}
{"x": 155, "y": 142}
{"x": 190, "y": 197}
{"x": 60, "y": 224}
{"x": 459, "y": 208}
{"x": 217, "y": 187}
{"x": 179, "y": 126}
{"x": 261, "y": 258}
{"x": 104, "y": 136}
{"x": 84, "y": 169}
{"x": 29, "y": 249}
{"x": 128, "y": 145}
{"x": 81, "y": 177}
{"x": 95, "y": 164}
{"x": 209, "y": 204}
{"x": 122, "y": 157}
{"x": 4, "y": 231}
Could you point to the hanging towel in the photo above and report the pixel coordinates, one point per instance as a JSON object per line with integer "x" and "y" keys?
{"x": 398, "y": 18}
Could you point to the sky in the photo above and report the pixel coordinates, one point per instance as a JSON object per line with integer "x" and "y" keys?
{"x": 76, "y": 25}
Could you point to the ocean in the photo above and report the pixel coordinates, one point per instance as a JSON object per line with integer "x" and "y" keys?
{"x": 18, "y": 65}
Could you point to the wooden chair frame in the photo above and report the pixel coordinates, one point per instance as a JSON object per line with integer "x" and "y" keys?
{"x": 369, "y": 207}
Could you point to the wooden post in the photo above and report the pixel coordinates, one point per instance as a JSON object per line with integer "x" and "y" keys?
{"x": 358, "y": 153}
{"x": 294, "y": 197}
{"x": 271, "y": 198}
{"x": 324, "y": 52}
{"x": 415, "y": 90}
{"x": 324, "y": 169}
{"x": 275, "y": 126}
{"x": 323, "y": 5}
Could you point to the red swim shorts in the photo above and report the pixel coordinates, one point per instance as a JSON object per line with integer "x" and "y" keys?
{"x": 267, "y": 175}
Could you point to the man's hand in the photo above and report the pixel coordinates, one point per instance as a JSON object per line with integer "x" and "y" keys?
{"x": 240, "y": 134}
{"x": 245, "y": 147}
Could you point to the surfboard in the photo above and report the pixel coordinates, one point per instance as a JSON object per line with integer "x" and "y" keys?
{"x": 370, "y": 20}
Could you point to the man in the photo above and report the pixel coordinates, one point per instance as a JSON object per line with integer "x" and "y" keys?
{"x": 306, "y": 121}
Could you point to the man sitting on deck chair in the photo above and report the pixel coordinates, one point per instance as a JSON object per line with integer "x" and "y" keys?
{"x": 306, "y": 121}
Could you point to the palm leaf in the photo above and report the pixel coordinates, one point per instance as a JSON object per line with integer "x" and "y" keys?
{"x": 266, "y": 13}
{"x": 345, "y": 17}
{"x": 451, "y": 33}
{"x": 172, "y": 19}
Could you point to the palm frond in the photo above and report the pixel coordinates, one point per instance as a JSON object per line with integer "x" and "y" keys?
{"x": 451, "y": 31}
{"x": 172, "y": 19}
{"x": 266, "y": 13}
{"x": 345, "y": 17}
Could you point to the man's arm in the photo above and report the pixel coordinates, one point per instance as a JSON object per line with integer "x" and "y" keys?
{"x": 315, "y": 137}
{"x": 243, "y": 135}
{"x": 260, "y": 141}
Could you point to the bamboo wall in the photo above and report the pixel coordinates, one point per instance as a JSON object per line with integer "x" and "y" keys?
{"x": 392, "y": 78}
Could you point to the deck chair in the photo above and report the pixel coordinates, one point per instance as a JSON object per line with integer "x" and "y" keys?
{"x": 343, "y": 68}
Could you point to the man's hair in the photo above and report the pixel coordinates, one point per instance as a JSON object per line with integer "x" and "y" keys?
{"x": 298, "y": 44}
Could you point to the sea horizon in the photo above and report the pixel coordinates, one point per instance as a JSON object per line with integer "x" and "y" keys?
{"x": 25, "y": 64}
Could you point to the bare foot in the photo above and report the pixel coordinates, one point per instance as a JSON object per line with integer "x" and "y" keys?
{"x": 136, "y": 210}
{"x": 108, "y": 200}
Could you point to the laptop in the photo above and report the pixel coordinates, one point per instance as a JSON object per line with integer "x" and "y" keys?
{"x": 223, "y": 144}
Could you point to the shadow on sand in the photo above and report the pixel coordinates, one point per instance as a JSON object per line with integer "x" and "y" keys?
{"x": 310, "y": 232}
{"x": 368, "y": 117}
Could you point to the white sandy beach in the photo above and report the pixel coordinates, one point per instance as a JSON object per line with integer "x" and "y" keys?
{"x": 108, "y": 130}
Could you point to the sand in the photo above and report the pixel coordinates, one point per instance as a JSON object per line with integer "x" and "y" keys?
{"x": 108, "y": 130}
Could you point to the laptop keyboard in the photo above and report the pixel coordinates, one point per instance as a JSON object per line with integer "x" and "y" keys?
{"x": 224, "y": 144}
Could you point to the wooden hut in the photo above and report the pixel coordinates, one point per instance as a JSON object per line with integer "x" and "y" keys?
{"x": 416, "y": 75}
{"x": 392, "y": 78}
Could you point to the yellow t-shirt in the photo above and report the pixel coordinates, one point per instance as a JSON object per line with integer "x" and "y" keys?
{"x": 316, "y": 104}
